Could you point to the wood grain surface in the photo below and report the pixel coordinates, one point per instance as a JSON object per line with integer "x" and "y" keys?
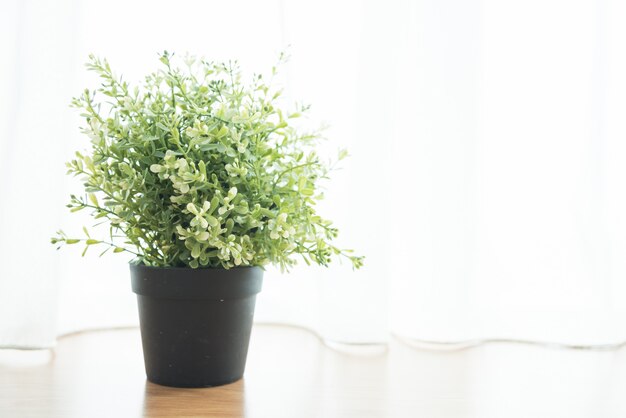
{"x": 292, "y": 374}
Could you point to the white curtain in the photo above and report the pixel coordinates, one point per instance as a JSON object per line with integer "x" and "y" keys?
{"x": 485, "y": 185}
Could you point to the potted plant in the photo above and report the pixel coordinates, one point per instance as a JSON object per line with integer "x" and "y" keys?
{"x": 203, "y": 178}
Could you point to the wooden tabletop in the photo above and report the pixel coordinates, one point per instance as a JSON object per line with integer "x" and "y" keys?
{"x": 291, "y": 373}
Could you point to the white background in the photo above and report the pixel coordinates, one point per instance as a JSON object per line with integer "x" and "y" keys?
{"x": 485, "y": 187}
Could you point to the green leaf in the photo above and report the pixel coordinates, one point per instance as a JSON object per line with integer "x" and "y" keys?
{"x": 93, "y": 199}
{"x": 215, "y": 202}
{"x": 222, "y": 132}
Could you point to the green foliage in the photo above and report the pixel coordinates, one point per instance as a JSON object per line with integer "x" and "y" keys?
{"x": 199, "y": 168}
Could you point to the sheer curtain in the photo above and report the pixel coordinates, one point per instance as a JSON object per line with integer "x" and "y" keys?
{"x": 484, "y": 187}
{"x": 514, "y": 147}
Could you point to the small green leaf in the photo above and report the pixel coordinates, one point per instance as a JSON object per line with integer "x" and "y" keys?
{"x": 215, "y": 202}
{"x": 222, "y": 132}
{"x": 93, "y": 199}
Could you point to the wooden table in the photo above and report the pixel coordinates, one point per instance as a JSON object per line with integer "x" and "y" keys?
{"x": 291, "y": 373}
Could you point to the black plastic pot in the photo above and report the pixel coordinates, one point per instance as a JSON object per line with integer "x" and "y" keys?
{"x": 195, "y": 323}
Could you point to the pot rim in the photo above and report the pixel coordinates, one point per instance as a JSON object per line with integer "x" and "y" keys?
{"x": 143, "y": 266}
{"x": 189, "y": 283}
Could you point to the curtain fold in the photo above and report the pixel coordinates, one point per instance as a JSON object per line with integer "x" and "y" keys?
{"x": 37, "y": 65}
